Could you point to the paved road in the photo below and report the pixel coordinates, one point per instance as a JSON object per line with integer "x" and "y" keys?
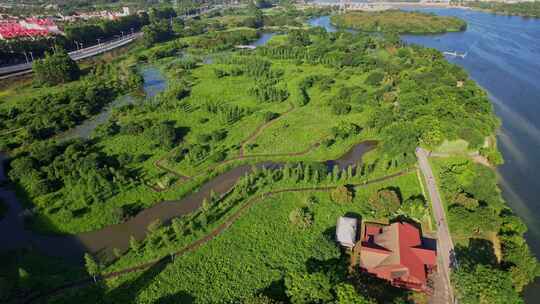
{"x": 25, "y": 68}
{"x": 20, "y": 69}
{"x": 445, "y": 247}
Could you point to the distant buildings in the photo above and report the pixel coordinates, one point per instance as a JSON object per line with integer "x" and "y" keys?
{"x": 108, "y": 15}
{"x": 27, "y": 28}
{"x": 396, "y": 253}
{"x": 16, "y": 28}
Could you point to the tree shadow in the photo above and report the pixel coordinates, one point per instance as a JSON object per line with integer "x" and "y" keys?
{"x": 379, "y": 289}
{"x": 478, "y": 251}
{"x": 179, "y": 297}
{"x": 397, "y": 190}
{"x": 330, "y": 234}
{"x": 128, "y": 290}
{"x": 275, "y": 291}
{"x": 405, "y": 219}
{"x": 335, "y": 268}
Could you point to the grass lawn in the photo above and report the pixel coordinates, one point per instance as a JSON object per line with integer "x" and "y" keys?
{"x": 459, "y": 146}
{"x": 248, "y": 257}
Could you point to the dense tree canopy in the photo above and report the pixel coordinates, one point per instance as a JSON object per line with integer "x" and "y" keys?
{"x": 400, "y": 22}
{"x": 55, "y": 68}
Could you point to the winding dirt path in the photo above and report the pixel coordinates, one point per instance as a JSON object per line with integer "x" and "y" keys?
{"x": 182, "y": 178}
{"x": 198, "y": 243}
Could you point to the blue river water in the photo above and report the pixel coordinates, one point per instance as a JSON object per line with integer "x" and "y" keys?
{"x": 503, "y": 56}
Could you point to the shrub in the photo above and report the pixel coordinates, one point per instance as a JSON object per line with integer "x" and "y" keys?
{"x": 55, "y": 68}
{"x": 341, "y": 108}
{"x": 375, "y": 78}
{"x": 342, "y": 194}
{"x": 268, "y": 116}
{"x": 385, "y": 202}
{"x": 301, "y": 218}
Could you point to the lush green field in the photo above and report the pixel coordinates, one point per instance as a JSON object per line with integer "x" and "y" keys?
{"x": 305, "y": 97}
{"x": 291, "y": 104}
{"x": 526, "y": 9}
{"x": 248, "y": 258}
{"x": 488, "y": 236}
{"x": 399, "y": 22}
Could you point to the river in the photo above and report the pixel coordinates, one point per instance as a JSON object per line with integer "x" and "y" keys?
{"x": 502, "y": 56}
{"x": 154, "y": 83}
{"x": 103, "y": 241}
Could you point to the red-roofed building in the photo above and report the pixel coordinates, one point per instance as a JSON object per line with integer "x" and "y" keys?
{"x": 397, "y": 253}
{"x": 31, "y": 27}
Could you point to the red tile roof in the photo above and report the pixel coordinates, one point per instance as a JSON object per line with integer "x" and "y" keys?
{"x": 14, "y": 29}
{"x": 396, "y": 253}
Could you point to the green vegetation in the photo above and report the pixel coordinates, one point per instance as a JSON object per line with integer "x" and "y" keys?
{"x": 303, "y": 264}
{"x": 55, "y": 68}
{"x": 399, "y": 22}
{"x": 479, "y": 220}
{"x": 24, "y": 272}
{"x": 525, "y": 9}
{"x": 328, "y": 92}
{"x": 305, "y": 98}
{"x": 42, "y": 113}
{"x": 80, "y": 33}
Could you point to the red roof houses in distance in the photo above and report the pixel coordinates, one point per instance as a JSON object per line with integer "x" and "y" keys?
{"x": 29, "y": 28}
{"x": 396, "y": 253}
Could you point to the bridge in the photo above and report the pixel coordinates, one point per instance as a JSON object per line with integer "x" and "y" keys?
{"x": 26, "y": 68}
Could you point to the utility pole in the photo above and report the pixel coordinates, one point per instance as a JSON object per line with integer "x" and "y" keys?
{"x": 122, "y": 32}
{"x": 99, "y": 42}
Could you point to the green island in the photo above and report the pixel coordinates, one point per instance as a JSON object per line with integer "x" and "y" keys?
{"x": 399, "y": 21}
{"x": 525, "y": 9}
{"x": 282, "y": 111}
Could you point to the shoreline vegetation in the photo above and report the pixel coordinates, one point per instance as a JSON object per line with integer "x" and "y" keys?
{"x": 398, "y": 21}
{"x": 305, "y": 90}
{"x": 522, "y": 9}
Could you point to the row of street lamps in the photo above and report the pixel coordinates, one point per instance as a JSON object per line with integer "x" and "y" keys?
{"x": 78, "y": 45}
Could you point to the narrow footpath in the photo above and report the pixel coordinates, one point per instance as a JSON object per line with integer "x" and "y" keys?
{"x": 198, "y": 243}
{"x": 445, "y": 248}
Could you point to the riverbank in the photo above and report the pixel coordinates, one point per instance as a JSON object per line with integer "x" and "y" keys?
{"x": 326, "y": 113}
{"x": 502, "y": 56}
{"x": 397, "y": 21}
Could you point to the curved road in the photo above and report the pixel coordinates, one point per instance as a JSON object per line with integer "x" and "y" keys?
{"x": 445, "y": 246}
{"x": 21, "y": 69}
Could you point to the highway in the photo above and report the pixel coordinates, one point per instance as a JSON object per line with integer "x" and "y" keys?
{"x": 25, "y": 68}
{"x": 20, "y": 69}
{"x": 445, "y": 247}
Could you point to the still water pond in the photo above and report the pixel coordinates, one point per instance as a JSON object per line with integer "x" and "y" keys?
{"x": 154, "y": 83}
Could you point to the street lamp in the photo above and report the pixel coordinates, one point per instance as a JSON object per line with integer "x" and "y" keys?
{"x": 26, "y": 57}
